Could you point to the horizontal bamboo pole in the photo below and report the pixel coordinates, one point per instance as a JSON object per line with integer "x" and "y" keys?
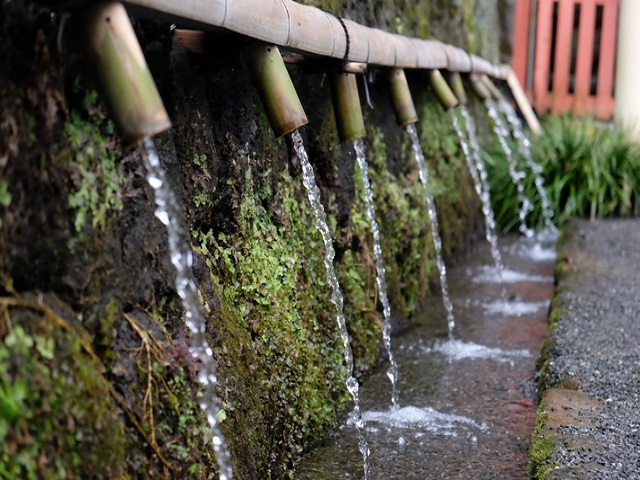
{"x": 308, "y": 29}
{"x": 313, "y": 31}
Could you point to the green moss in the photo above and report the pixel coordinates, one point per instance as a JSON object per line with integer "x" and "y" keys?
{"x": 56, "y": 416}
{"x": 271, "y": 279}
{"x": 5, "y": 196}
{"x": 401, "y": 210}
{"x": 96, "y": 176}
{"x": 542, "y": 444}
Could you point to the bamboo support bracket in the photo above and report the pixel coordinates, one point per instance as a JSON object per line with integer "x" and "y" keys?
{"x": 523, "y": 102}
{"x": 275, "y": 89}
{"x": 346, "y": 106}
{"x": 131, "y": 94}
{"x": 445, "y": 95}
{"x": 401, "y": 100}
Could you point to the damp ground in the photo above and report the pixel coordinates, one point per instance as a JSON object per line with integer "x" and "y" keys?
{"x": 467, "y": 405}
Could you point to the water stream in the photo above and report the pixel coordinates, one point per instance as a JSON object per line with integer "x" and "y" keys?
{"x": 392, "y": 372}
{"x": 433, "y": 217}
{"x": 478, "y": 172}
{"x": 468, "y": 404}
{"x": 502, "y": 133}
{"x": 168, "y": 212}
{"x": 524, "y": 147}
{"x": 313, "y": 193}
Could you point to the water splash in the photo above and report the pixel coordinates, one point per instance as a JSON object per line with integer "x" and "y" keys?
{"x": 489, "y": 275}
{"x": 456, "y": 350}
{"x": 425, "y": 419}
{"x": 524, "y": 147}
{"x": 168, "y": 212}
{"x": 502, "y": 133}
{"x": 514, "y": 308}
{"x": 313, "y": 193}
{"x": 433, "y": 217}
{"x": 536, "y": 251}
{"x": 392, "y": 372}
{"x": 471, "y": 151}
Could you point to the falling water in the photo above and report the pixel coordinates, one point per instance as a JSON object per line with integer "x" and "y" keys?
{"x": 433, "y": 216}
{"x": 471, "y": 152}
{"x": 313, "y": 192}
{"x": 392, "y": 373}
{"x": 168, "y": 212}
{"x": 516, "y": 175}
{"x": 524, "y": 147}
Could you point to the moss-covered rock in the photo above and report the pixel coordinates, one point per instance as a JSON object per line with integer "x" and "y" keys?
{"x": 91, "y": 329}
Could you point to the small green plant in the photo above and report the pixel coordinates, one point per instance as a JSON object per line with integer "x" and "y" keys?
{"x": 5, "y": 196}
{"x": 591, "y": 170}
{"x": 96, "y": 175}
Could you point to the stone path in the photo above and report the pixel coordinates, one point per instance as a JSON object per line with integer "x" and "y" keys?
{"x": 591, "y": 419}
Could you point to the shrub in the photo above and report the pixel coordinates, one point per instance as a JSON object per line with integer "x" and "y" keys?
{"x": 590, "y": 169}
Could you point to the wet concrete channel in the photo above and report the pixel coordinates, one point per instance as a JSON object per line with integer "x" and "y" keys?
{"x": 482, "y": 381}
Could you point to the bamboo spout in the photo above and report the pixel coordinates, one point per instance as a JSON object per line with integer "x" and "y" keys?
{"x": 401, "y": 99}
{"x": 455, "y": 82}
{"x": 493, "y": 89}
{"x": 346, "y": 106}
{"x": 276, "y": 89}
{"x": 443, "y": 92}
{"x": 131, "y": 94}
{"x": 479, "y": 87}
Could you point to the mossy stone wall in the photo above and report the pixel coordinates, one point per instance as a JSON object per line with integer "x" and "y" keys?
{"x": 95, "y": 374}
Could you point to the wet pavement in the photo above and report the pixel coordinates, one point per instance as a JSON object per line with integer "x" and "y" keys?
{"x": 468, "y": 405}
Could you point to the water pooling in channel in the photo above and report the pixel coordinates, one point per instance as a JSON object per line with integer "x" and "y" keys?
{"x": 313, "y": 193}
{"x": 433, "y": 217}
{"x": 478, "y": 172}
{"x": 392, "y": 372}
{"x": 524, "y": 147}
{"x": 516, "y": 175}
{"x": 168, "y": 212}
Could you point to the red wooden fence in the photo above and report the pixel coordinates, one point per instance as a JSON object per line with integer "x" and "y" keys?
{"x": 573, "y": 45}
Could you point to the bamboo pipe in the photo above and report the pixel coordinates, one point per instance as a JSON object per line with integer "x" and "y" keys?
{"x": 493, "y": 89}
{"x": 447, "y": 98}
{"x": 311, "y": 30}
{"x": 275, "y": 88}
{"x": 479, "y": 87}
{"x": 401, "y": 100}
{"x": 346, "y": 106}
{"x": 129, "y": 89}
{"x": 455, "y": 82}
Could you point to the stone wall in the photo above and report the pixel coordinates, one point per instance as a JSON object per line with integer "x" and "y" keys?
{"x": 94, "y": 370}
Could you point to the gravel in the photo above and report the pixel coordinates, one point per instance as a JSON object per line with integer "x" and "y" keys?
{"x": 597, "y": 347}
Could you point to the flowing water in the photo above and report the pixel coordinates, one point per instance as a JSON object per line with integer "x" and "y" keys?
{"x": 524, "y": 147}
{"x": 392, "y": 372}
{"x": 168, "y": 212}
{"x": 517, "y": 176}
{"x": 468, "y": 404}
{"x": 313, "y": 192}
{"x": 433, "y": 217}
{"x": 478, "y": 172}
